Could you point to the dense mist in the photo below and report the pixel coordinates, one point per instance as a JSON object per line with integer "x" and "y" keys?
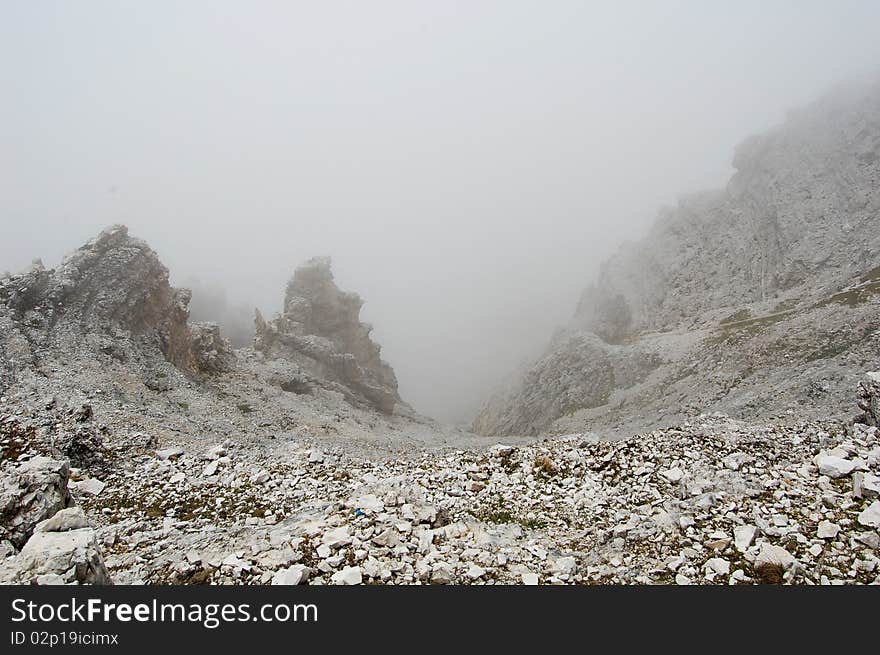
{"x": 467, "y": 165}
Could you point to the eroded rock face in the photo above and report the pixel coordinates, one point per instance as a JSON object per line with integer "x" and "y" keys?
{"x": 111, "y": 295}
{"x": 801, "y": 208}
{"x": 319, "y": 330}
{"x": 29, "y": 493}
{"x": 751, "y": 295}
{"x": 579, "y": 371}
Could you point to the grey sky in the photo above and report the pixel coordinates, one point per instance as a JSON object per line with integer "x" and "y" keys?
{"x": 466, "y": 164}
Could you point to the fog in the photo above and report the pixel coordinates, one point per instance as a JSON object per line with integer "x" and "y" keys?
{"x": 466, "y": 164}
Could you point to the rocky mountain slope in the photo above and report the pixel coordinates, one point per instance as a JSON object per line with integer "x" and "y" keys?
{"x": 712, "y": 501}
{"x": 757, "y": 300}
{"x": 138, "y": 447}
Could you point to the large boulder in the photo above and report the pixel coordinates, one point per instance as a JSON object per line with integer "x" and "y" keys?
{"x": 29, "y": 493}
{"x": 58, "y": 557}
{"x": 319, "y": 330}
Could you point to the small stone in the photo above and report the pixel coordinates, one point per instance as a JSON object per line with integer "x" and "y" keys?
{"x": 441, "y": 573}
{"x": 870, "y": 517}
{"x": 261, "y": 477}
{"x": 316, "y": 457}
{"x": 210, "y": 469}
{"x": 771, "y": 555}
{"x": 673, "y": 475}
{"x": 89, "y": 486}
{"x": 388, "y": 538}
{"x": 170, "y": 454}
{"x": 827, "y": 530}
{"x": 717, "y": 566}
{"x": 350, "y": 575}
{"x": 475, "y": 572}
{"x": 743, "y": 536}
{"x": 682, "y": 579}
{"x": 866, "y": 485}
{"x": 293, "y": 575}
{"x": 529, "y": 578}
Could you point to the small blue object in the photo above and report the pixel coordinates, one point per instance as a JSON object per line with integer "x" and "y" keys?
{"x": 359, "y": 512}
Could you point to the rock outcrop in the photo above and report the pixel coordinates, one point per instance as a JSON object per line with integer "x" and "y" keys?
{"x": 29, "y": 493}
{"x": 37, "y": 518}
{"x": 320, "y": 341}
{"x": 63, "y": 550}
{"x": 756, "y": 297}
{"x": 112, "y": 297}
{"x": 578, "y": 371}
{"x": 212, "y": 352}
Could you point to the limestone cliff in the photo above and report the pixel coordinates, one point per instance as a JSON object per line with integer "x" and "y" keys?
{"x": 748, "y": 299}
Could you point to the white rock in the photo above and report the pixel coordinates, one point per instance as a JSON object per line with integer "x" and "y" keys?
{"x": 674, "y": 475}
{"x": 682, "y": 579}
{"x": 292, "y": 575}
{"x": 71, "y": 518}
{"x": 260, "y": 477}
{"x": 169, "y": 453}
{"x": 89, "y": 486}
{"x": 236, "y": 562}
{"x": 388, "y": 538}
{"x": 771, "y": 555}
{"x": 316, "y": 457}
{"x": 475, "y": 572}
{"x": 563, "y": 565}
{"x": 337, "y": 537}
{"x": 350, "y": 575}
{"x": 834, "y": 466}
{"x": 367, "y": 503}
{"x": 210, "y": 469}
{"x": 871, "y": 515}
{"x": 717, "y": 566}
{"x": 743, "y": 536}
{"x": 73, "y": 555}
{"x": 866, "y": 485}
{"x": 529, "y": 578}
{"x": 442, "y": 573}
{"x": 324, "y": 551}
{"x": 827, "y": 530}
